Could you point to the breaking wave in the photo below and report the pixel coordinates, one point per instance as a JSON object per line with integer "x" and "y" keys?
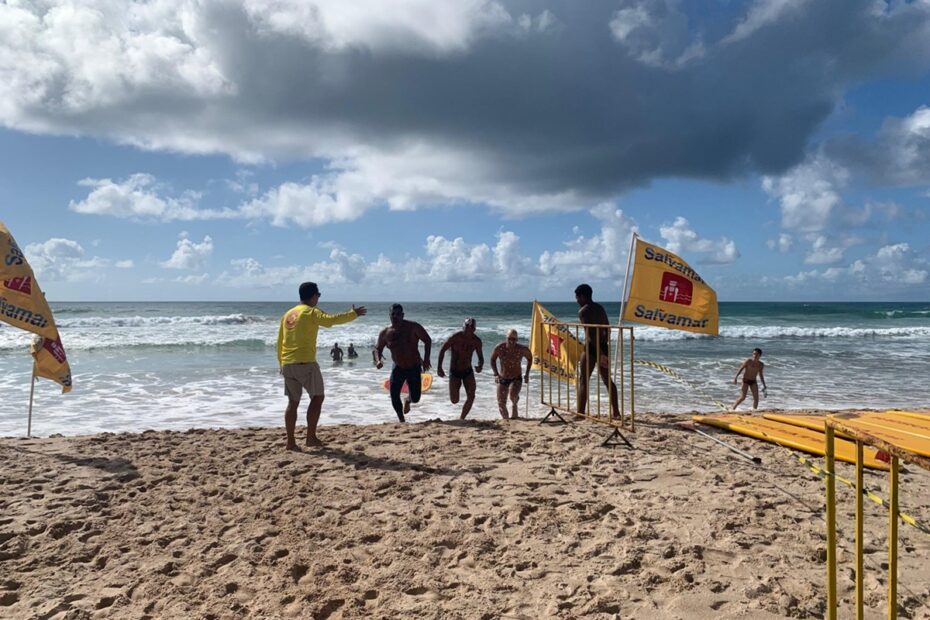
{"x": 144, "y": 321}
{"x": 656, "y": 334}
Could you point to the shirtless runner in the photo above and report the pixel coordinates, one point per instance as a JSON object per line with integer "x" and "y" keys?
{"x": 464, "y": 343}
{"x": 753, "y": 368}
{"x": 402, "y": 338}
{"x": 511, "y": 354}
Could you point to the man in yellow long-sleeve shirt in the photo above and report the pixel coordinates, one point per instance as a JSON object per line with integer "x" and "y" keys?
{"x": 297, "y": 358}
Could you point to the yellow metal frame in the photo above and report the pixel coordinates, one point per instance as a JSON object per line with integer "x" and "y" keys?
{"x": 552, "y": 394}
{"x": 896, "y": 454}
{"x": 829, "y": 463}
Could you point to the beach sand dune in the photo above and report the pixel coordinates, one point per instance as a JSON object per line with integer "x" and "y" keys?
{"x": 432, "y": 520}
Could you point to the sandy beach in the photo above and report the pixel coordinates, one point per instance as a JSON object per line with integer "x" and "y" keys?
{"x": 433, "y": 520}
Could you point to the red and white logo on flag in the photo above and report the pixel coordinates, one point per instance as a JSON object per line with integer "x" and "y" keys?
{"x": 555, "y": 344}
{"x": 56, "y": 349}
{"x": 676, "y": 289}
{"x": 22, "y": 284}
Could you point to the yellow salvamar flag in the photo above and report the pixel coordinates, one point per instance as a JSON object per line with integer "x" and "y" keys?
{"x": 555, "y": 349}
{"x": 23, "y": 305}
{"x": 666, "y": 292}
{"x": 51, "y": 361}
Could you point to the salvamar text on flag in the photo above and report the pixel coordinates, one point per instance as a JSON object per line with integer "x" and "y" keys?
{"x": 666, "y": 292}
{"x": 555, "y": 349}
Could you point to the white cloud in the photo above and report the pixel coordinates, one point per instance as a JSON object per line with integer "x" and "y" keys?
{"x": 761, "y": 14}
{"x": 655, "y": 32}
{"x": 124, "y": 264}
{"x": 682, "y": 240}
{"x": 900, "y": 153}
{"x": 193, "y": 280}
{"x": 64, "y": 260}
{"x": 809, "y": 194}
{"x": 508, "y": 258}
{"x": 454, "y": 260}
{"x": 137, "y": 198}
{"x": 189, "y": 255}
{"x": 783, "y": 244}
{"x": 822, "y": 253}
{"x": 455, "y": 263}
{"x": 419, "y": 27}
{"x": 893, "y": 268}
{"x": 898, "y": 263}
{"x": 350, "y": 267}
{"x": 597, "y": 258}
{"x": 415, "y": 176}
{"x": 249, "y": 273}
{"x": 314, "y": 204}
{"x": 87, "y": 55}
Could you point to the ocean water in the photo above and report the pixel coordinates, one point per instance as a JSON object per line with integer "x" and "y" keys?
{"x": 139, "y": 366}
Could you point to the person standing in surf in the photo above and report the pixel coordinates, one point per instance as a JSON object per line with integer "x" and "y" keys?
{"x": 402, "y": 337}
{"x": 297, "y": 358}
{"x": 510, "y": 379}
{"x": 464, "y": 343}
{"x": 753, "y": 368}
{"x": 597, "y": 349}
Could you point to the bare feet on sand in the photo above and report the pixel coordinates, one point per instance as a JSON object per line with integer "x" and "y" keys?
{"x": 313, "y": 442}
{"x": 293, "y": 447}
{"x": 406, "y": 405}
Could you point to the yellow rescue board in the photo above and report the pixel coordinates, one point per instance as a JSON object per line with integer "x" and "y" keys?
{"x": 909, "y": 431}
{"x": 912, "y": 414}
{"x": 813, "y": 422}
{"x": 790, "y": 436}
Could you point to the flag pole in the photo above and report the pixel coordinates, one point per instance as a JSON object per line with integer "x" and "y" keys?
{"x": 623, "y": 294}
{"x": 32, "y": 390}
{"x": 626, "y": 278}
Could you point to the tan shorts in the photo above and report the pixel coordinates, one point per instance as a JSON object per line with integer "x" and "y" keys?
{"x": 300, "y": 377}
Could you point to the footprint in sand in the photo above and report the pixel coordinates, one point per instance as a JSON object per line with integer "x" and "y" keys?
{"x": 328, "y": 609}
{"x": 298, "y": 572}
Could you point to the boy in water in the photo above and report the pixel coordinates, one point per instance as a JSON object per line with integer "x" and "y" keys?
{"x": 753, "y": 368}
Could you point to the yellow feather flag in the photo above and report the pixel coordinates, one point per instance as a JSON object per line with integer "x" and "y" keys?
{"x": 666, "y": 292}
{"x": 23, "y": 305}
{"x": 555, "y": 349}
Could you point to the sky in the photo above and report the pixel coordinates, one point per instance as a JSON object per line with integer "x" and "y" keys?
{"x": 493, "y": 150}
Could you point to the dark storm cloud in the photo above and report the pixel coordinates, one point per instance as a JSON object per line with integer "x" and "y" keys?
{"x": 584, "y": 99}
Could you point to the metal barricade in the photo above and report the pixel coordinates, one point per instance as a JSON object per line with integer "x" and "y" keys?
{"x": 583, "y": 374}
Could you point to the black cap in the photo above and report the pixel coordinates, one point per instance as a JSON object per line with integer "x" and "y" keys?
{"x": 308, "y": 290}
